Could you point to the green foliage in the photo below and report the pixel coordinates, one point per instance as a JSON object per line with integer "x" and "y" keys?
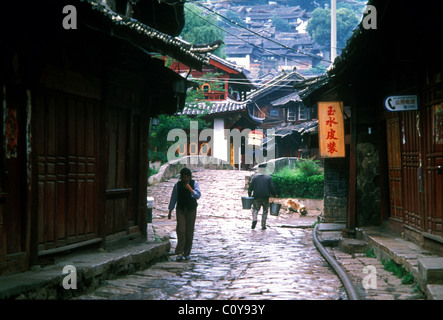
{"x": 158, "y": 144}
{"x": 309, "y": 167}
{"x": 194, "y": 96}
{"x": 399, "y": 271}
{"x": 319, "y": 26}
{"x": 370, "y": 253}
{"x": 316, "y": 70}
{"x": 152, "y": 171}
{"x": 197, "y": 95}
{"x": 306, "y": 180}
{"x": 201, "y": 28}
{"x": 233, "y": 16}
{"x": 280, "y": 24}
{"x": 408, "y": 278}
{"x": 315, "y": 188}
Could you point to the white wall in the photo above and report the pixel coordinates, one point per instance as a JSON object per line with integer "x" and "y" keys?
{"x": 220, "y": 145}
{"x": 244, "y": 62}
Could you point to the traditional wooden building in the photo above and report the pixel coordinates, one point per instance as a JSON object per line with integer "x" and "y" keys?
{"x": 389, "y": 79}
{"x": 224, "y": 106}
{"x": 296, "y": 121}
{"x": 219, "y": 80}
{"x": 76, "y": 98}
{"x": 229, "y": 120}
{"x": 286, "y": 114}
{"x": 267, "y": 98}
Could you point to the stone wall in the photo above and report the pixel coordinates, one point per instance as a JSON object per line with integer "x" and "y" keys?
{"x": 276, "y": 165}
{"x": 172, "y": 169}
{"x": 368, "y": 188}
{"x": 336, "y": 189}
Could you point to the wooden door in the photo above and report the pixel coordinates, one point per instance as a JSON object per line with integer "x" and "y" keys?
{"x": 66, "y": 144}
{"x": 394, "y": 163}
{"x": 434, "y": 169}
{"x": 125, "y": 159}
{"x": 123, "y": 168}
{"x": 412, "y": 169}
{"x": 13, "y": 218}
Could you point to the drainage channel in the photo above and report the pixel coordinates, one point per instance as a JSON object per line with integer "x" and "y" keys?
{"x": 347, "y": 283}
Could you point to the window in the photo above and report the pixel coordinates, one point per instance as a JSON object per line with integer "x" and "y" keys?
{"x": 274, "y": 112}
{"x": 206, "y": 87}
{"x": 302, "y": 112}
{"x": 291, "y": 114}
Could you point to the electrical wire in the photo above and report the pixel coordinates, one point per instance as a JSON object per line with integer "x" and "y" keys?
{"x": 353, "y": 2}
{"x": 240, "y": 82}
{"x": 261, "y": 36}
{"x": 260, "y": 48}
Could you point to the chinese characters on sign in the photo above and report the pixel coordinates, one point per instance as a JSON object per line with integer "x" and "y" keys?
{"x": 401, "y": 103}
{"x": 331, "y": 129}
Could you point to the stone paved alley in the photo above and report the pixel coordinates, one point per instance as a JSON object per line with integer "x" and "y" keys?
{"x": 229, "y": 260}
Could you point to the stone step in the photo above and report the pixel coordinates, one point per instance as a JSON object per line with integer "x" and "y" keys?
{"x": 431, "y": 270}
{"x": 352, "y": 246}
{"x": 434, "y": 292}
{"x": 329, "y": 238}
{"x": 330, "y": 233}
{"x": 331, "y": 226}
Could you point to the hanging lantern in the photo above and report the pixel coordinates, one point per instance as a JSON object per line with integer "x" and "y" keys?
{"x": 256, "y": 137}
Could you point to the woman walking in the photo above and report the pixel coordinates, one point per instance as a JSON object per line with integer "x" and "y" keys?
{"x": 185, "y": 194}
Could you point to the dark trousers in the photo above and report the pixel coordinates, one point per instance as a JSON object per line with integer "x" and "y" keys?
{"x": 185, "y": 230}
{"x": 256, "y": 205}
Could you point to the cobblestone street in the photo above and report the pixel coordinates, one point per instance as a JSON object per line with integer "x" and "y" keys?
{"x": 229, "y": 260}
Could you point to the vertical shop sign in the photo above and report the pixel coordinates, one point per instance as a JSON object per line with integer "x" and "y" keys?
{"x": 331, "y": 129}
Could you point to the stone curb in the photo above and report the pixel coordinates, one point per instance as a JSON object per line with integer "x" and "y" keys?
{"x": 91, "y": 270}
{"x": 406, "y": 253}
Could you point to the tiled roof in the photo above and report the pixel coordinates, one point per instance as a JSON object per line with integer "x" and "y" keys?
{"x": 228, "y": 64}
{"x": 213, "y": 108}
{"x": 277, "y": 82}
{"x": 287, "y": 128}
{"x": 284, "y": 100}
{"x": 310, "y": 85}
{"x": 244, "y": 50}
{"x": 154, "y": 39}
{"x": 219, "y": 107}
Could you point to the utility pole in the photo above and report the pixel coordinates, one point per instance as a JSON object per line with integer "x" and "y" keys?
{"x": 333, "y": 30}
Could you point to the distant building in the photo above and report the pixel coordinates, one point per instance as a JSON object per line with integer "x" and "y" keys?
{"x": 225, "y": 107}
{"x": 286, "y": 115}
{"x": 272, "y": 50}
